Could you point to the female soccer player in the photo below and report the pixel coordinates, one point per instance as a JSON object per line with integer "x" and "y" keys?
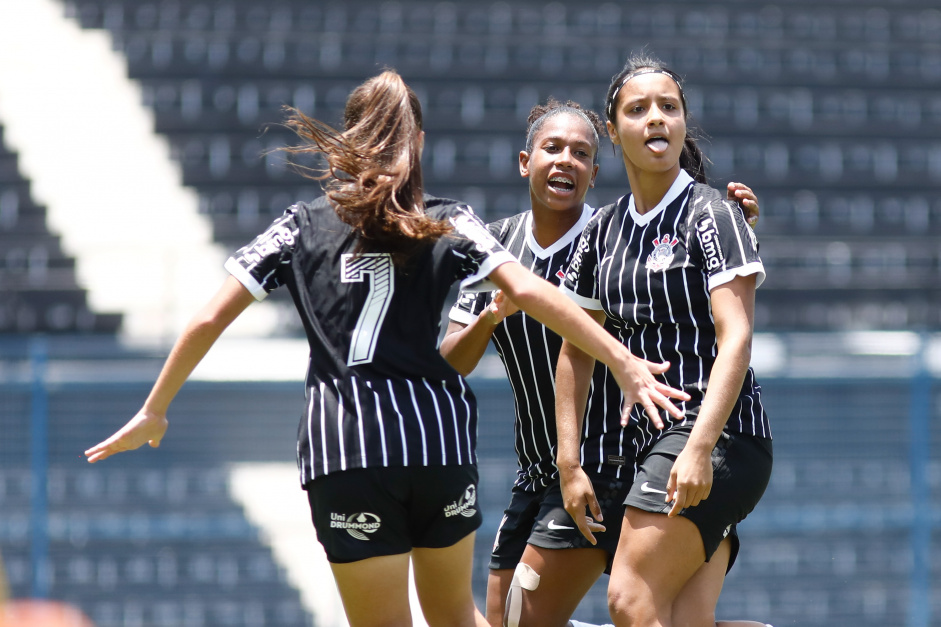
{"x": 386, "y": 444}
{"x": 560, "y": 161}
{"x": 673, "y": 267}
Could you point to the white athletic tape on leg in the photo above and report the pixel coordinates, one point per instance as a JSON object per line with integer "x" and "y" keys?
{"x": 524, "y": 578}
{"x": 527, "y": 577}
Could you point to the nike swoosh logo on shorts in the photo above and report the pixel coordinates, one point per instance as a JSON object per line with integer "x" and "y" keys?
{"x": 646, "y": 488}
{"x": 552, "y": 525}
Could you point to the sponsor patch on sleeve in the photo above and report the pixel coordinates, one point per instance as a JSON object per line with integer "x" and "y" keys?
{"x": 713, "y": 257}
{"x": 469, "y": 226}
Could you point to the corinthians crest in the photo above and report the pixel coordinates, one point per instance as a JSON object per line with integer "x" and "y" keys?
{"x": 662, "y": 253}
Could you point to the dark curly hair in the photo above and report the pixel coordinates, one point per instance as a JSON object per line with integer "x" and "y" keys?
{"x": 542, "y": 112}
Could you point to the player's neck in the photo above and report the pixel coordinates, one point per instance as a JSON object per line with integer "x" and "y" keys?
{"x": 549, "y": 225}
{"x": 649, "y": 188}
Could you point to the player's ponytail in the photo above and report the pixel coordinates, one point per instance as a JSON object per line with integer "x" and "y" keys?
{"x": 692, "y": 158}
{"x": 373, "y": 170}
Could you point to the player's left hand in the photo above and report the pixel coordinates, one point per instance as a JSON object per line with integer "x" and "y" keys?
{"x": 690, "y": 479}
{"x": 144, "y": 428}
{"x": 746, "y": 198}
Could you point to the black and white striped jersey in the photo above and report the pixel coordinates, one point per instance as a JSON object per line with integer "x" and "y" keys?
{"x": 530, "y": 352}
{"x": 652, "y": 274}
{"x": 378, "y": 391}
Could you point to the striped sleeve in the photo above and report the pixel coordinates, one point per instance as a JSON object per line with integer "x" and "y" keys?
{"x": 470, "y": 303}
{"x": 259, "y": 264}
{"x": 468, "y": 306}
{"x": 726, "y": 245}
{"x": 481, "y": 251}
{"x": 580, "y": 282}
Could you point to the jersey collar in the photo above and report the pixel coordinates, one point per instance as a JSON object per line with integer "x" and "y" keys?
{"x": 570, "y": 236}
{"x": 682, "y": 181}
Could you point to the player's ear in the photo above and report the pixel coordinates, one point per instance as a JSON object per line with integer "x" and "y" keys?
{"x": 612, "y": 133}
{"x": 524, "y": 164}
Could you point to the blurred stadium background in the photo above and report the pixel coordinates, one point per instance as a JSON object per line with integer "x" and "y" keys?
{"x": 131, "y": 164}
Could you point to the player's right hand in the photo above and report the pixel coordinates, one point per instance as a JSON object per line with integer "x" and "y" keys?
{"x": 144, "y": 428}
{"x": 577, "y": 494}
{"x": 500, "y": 307}
{"x": 641, "y": 388}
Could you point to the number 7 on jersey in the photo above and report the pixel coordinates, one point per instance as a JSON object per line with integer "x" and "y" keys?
{"x": 354, "y": 269}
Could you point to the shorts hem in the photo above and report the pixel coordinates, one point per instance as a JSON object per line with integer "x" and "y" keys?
{"x": 499, "y": 564}
{"x": 338, "y": 560}
{"x": 648, "y": 506}
{"x": 446, "y": 544}
{"x": 555, "y": 545}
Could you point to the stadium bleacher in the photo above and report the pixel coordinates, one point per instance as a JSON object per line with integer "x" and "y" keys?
{"x": 39, "y": 283}
{"x": 144, "y": 541}
{"x": 830, "y": 110}
{"x": 793, "y": 97}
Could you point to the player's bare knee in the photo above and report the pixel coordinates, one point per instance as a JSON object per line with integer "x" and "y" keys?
{"x": 525, "y": 578}
{"x": 624, "y": 607}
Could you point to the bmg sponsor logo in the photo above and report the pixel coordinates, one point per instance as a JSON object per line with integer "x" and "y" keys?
{"x": 360, "y": 525}
{"x": 464, "y": 506}
{"x": 709, "y": 239}
{"x": 575, "y": 265}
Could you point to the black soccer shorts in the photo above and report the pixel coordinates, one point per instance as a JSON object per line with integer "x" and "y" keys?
{"x": 539, "y": 518}
{"x": 741, "y": 469}
{"x": 370, "y": 512}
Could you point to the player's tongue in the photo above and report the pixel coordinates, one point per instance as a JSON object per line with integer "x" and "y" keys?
{"x": 658, "y": 144}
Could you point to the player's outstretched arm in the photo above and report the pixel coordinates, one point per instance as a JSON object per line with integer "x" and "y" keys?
{"x": 202, "y": 331}
{"x": 548, "y": 305}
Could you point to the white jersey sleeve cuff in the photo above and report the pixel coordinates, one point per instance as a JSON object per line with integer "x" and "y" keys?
{"x": 721, "y": 278}
{"x": 461, "y": 316}
{"x": 247, "y": 280}
{"x": 478, "y": 282}
{"x": 585, "y": 303}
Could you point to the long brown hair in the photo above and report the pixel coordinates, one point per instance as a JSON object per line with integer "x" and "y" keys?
{"x": 373, "y": 170}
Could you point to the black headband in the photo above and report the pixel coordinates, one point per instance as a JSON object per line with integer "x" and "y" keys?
{"x": 647, "y": 70}
{"x": 553, "y": 112}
